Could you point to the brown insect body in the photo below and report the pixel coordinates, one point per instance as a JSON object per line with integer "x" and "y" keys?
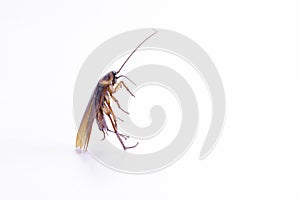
{"x": 99, "y": 106}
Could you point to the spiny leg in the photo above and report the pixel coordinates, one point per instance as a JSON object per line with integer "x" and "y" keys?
{"x": 124, "y": 136}
{"x": 108, "y": 112}
{"x": 109, "y": 109}
{"x": 118, "y": 85}
{"x": 117, "y": 134}
{"x": 114, "y": 90}
{"x": 119, "y": 106}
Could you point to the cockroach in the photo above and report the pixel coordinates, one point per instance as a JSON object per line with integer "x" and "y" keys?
{"x": 99, "y": 106}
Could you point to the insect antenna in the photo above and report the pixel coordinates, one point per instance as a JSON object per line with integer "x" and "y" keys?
{"x": 155, "y": 31}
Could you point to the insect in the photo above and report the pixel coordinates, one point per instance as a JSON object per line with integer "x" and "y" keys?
{"x": 99, "y": 106}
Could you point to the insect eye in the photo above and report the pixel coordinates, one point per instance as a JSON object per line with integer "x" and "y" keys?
{"x": 114, "y": 73}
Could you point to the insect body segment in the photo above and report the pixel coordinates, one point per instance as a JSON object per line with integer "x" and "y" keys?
{"x": 99, "y": 106}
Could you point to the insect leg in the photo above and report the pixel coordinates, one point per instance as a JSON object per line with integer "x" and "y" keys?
{"x": 122, "y": 135}
{"x": 125, "y": 137}
{"x": 108, "y": 111}
{"x": 119, "y": 106}
{"x": 114, "y": 90}
{"x": 119, "y": 85}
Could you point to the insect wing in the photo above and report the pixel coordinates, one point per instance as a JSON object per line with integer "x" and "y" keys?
{"x": 85, "y": 128}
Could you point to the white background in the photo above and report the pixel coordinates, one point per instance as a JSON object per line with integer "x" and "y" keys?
{"x": 255, "y": 46}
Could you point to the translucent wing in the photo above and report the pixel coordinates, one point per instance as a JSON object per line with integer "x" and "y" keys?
{"x": 84, "y": 131}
